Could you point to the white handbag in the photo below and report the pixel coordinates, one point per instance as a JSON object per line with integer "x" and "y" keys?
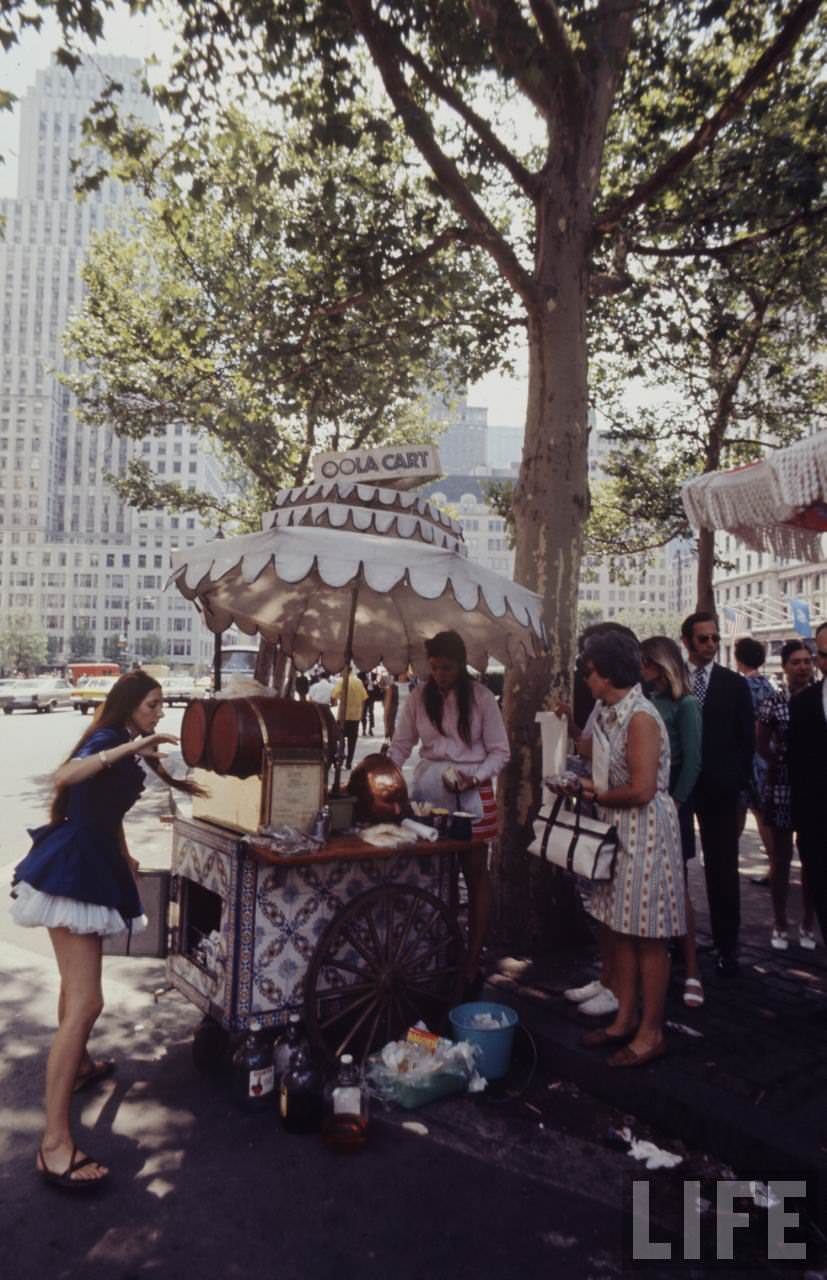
{"x": 566, "y": 837}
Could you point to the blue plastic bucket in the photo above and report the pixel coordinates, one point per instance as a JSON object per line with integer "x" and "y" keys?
{"x": 494, "y": 1043}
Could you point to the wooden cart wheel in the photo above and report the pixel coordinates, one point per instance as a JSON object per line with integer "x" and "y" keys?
{"x": 393, "y": 956}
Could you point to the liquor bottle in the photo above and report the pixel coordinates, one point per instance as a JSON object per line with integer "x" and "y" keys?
{"x": 253, "y": 1076}
{"x": 345, "y": 1125}
{"x": 291, "y": 1038}
{"x": 301, "y": 1105}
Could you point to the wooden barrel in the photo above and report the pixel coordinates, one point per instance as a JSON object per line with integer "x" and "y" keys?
{"x": 242, "y": 728}
{"x": 195, "y": 732}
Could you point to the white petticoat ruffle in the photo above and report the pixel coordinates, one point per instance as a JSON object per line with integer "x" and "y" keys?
{"x": 31, "y": 907}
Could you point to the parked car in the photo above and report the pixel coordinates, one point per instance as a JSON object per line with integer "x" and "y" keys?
{"x": 180, "y": 689}
{"x": 91, "y": 691}
{"x": 35, "y": 695}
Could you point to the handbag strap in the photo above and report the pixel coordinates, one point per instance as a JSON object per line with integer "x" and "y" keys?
{"x": 550, "y": 821}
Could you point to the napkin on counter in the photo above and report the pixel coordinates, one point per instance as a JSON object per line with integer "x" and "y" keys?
{"x": 419, "y": 830}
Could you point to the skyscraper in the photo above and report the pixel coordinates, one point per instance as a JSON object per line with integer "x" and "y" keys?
{"x": 72, "y": 555}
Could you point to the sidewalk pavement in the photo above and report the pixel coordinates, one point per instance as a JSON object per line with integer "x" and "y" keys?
{"x": 746, "y": 1075}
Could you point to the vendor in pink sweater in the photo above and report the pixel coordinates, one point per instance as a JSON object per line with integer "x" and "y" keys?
{"x": 463, "y": 746}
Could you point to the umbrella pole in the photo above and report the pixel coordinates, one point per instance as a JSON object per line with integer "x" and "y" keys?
{"x": 340, "y": 746}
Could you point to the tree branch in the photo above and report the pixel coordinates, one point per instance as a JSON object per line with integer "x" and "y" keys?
{"x": 743, "y": 244}
{"x": 556, "y": 40}
{"x": 706, "y": 134}
{"x": 518, "y": 50}
{"x": 420, "y": 130}
{"x": 527, "y": 181}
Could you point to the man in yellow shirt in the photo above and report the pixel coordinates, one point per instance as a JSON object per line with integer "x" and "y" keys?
{"x": 356, "y": 698}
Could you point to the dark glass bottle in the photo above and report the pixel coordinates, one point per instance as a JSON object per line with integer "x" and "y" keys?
{"x": 253, "y": 1076}
{"x": 345, "y": 1126}
{"x": 290, "y": 1039}
{"x": 301, "y": 1105}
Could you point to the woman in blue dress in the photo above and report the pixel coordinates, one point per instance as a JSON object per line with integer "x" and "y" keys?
{"x": 78, "y": 881}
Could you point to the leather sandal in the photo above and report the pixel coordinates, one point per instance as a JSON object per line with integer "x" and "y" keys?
{"x": 602, "y": 1039}
{"x": 628, "y": 1058}
{"x": 64, "y": 1180}
{"x": 99, "y": 1070}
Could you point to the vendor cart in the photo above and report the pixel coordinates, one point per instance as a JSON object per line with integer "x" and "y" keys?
{"x": 362, "y": 940}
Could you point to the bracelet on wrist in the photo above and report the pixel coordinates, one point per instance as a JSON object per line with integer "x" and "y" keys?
{"x": 104, "y": 759}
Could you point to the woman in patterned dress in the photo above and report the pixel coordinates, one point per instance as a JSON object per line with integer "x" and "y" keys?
{"x": 644, "y": 903}
{"x": 773, "y": 728}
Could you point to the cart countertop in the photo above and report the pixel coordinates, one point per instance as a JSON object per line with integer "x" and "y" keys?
{"x": 346, "y": 848}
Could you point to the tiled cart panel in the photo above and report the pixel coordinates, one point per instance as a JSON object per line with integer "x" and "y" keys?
{"x": 271, "y": 919}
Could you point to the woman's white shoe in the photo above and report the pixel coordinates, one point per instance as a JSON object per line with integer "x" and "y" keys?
{"x": 578, "y": 994}
{"x": 604, "y": 1002}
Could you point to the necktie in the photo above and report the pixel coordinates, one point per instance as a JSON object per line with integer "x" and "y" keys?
{"x": 699, "y": 684}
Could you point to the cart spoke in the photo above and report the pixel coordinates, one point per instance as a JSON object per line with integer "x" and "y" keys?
{"x": 346, "y": 1011}
{"x": 353, "y": 989}
{"x": 367, "y": 916}
{"x": 406, "y": 926}
{"x": 436, "y": 912}
{"x": 348, "y": 968}
{"x": 343, "y": 1044}
{"x": 357, "y": 946}
{"x": 447, "y": 971}
{"x": 420, "y": 957}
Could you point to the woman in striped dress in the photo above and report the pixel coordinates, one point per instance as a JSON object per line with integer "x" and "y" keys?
{"x": 644, "y": 903}
{"x": 463, "y": 746}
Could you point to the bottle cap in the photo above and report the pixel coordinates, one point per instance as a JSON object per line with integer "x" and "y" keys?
{"x": 295, "y": 1017}
{"x": 254, "y": 1025}
{"x": 346, "y": 1059}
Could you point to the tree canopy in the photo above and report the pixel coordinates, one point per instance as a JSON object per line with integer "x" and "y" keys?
{"x": 281, "y": 302}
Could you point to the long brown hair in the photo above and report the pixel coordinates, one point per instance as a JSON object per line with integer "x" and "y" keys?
{"x": 125, "y": 696}
{"x": 450, "y": 645}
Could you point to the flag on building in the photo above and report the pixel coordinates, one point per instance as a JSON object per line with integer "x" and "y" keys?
{"x": 800, "y": 612}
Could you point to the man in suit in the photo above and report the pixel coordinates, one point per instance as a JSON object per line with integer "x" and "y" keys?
{"x": 807, "y": 760}
{"x": 726, "y": 763}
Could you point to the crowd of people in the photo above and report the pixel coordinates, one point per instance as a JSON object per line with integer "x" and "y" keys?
{"x": 722, "y": 743}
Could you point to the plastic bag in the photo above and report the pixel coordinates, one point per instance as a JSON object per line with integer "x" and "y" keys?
{"x": 415, "y": 1074}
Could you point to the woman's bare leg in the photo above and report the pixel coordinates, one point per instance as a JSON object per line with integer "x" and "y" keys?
{"x": 79, "y": 961}
{"x": 653, "y": 957}
{"x": 475, "y": 870}
{"x": 625, "y": 978}
{"x": 606, "y": 943}
{"x": 780, "y": 850}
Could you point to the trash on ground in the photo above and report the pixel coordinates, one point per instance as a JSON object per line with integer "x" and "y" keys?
{"x": 642, "y": 1149}
{"x": 417, "y": 1127}
{"x": 684, "y": 1030}
{"x": 413, "y": 1074}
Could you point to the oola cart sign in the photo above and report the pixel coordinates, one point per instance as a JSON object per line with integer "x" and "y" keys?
{"x": 396, "y": 466}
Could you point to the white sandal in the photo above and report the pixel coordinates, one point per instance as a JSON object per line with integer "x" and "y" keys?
{"x": 693, "y": 993}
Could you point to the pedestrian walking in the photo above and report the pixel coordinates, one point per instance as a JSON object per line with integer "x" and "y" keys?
{"x": 356, "y": 698}
{"x": 750, "y": 656}
{"x": 78, "y": 881}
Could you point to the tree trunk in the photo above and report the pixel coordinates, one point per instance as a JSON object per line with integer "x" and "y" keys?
{"x": 706, "y": 567}
{"x": 537, "y": 907}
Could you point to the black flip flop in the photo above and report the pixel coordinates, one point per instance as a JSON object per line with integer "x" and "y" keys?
{"x": 64, "y": 1180}
{"x": 99, "y": 1071}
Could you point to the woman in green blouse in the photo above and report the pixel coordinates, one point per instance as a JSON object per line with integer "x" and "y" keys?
{"x": 666, "y": 684}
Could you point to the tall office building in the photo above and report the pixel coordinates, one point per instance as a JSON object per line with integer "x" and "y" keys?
{"x": 72, "y": 555}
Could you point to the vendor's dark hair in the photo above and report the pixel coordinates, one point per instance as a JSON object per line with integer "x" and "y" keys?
{"x": 450, "y": 645}
{"x": 751, "y": 652}
{"x": 125, "y": 696}
{"x": 614, "y": 656}
{"x": 789, "y": 647}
